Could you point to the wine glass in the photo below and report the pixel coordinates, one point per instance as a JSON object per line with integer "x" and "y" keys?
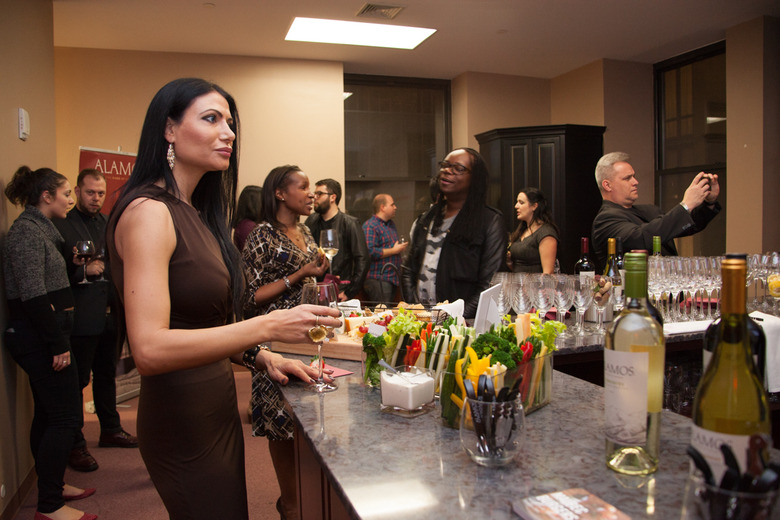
{"x": 601, "y": 298}
{"x": 564, "y": 297}
{"x": 502, "y": 279}
{"x": 543, "y": 293}
{"x": 325, "y": 294}
{"x": 583, "y": 297}
{"x": 100, "y": 254}
{"x": 329, "y": 243}
{"x": 521, "y": 299}
{"x": 85, "y": 250}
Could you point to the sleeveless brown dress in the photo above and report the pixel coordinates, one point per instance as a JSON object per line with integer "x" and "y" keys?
{"x": 189, "y": 429}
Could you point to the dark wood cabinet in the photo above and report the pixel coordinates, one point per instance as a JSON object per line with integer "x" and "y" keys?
{"x": 560, "y": 160}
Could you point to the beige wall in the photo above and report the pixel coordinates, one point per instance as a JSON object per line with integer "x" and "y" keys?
{"x": 482, "y": 102}
{"x": 630, "y": 119}
{"x": 753, "y": 134}
{"x": 27, "y": 81}
{"x": 577, "y": 97}
{"x": 291, "y": 110}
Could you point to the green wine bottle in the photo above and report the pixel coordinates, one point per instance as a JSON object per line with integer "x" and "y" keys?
{"x": 731, "y": 403}
{"x": 634, "y": 379}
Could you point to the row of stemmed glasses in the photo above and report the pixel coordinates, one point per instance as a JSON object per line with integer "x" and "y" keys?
{"x": 764, "y": 270}
{"x": 684, "y": 288}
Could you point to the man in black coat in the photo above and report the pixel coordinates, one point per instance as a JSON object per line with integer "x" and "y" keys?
{"x": 637, "y": 224}
{"x": 460, "y": 242}
{"x": 352, "y": 261}
{"x": 93, "y": 336}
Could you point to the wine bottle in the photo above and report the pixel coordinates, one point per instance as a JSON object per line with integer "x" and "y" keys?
{"x": 757, "y": 345}
{"x": 651, "y": 309}
{"x": 731, "y": 403}
{"x": 619, "y": 252}
{"x": 613, "y": 271}
{"x": 634, "y": 379}
{"x": 584, "y": 267}
{"x": 656, "y": 245}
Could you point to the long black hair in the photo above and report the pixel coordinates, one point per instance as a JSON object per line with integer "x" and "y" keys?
{"x": 27, "y": 185}
{"x": 214, "y": 196}
{"x": 250, "y": 205}
{"x": 541, "y": 213}
{"x": 469, "y": 217}
{"x": 278, "y": 179}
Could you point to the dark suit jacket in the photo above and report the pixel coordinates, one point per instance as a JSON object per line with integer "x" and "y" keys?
{"x": 352, "y": 261}
{"x": 89, "y": 317}
{"x": 637, "y": 226}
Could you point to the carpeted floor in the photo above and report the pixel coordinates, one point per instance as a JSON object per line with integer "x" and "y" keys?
{"x": 124, "y": 491}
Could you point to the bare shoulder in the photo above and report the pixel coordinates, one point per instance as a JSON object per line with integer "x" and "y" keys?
{"x": 145, "y": 222}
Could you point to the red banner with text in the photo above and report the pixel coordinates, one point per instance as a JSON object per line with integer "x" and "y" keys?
{"x": 116, "y": 166}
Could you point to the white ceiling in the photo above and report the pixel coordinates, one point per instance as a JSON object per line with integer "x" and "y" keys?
{"x": 536, "y": 38}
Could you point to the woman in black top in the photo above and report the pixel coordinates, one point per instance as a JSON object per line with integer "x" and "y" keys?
{"x": 533, "y": 246}
{"x": 40, "y": 307}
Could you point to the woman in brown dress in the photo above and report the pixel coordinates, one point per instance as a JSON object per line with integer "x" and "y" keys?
{"x": 177, "y": 271}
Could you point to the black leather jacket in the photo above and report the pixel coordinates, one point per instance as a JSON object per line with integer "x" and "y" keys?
{"x": 466, "y": 265}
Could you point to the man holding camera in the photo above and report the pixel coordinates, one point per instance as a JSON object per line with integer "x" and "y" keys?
{"x": 637, "y": 224}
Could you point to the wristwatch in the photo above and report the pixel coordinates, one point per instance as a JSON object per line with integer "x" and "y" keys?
{"x": 685, "y": 206}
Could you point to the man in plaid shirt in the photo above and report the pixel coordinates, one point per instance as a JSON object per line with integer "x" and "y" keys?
{"x": 383, "y": 248}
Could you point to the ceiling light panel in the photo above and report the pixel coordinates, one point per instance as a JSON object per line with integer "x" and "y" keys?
{"x": 318, "y": 30}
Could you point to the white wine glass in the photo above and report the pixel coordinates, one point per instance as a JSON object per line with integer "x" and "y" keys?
{"x": 329, "y": 243}
{"x": 543, "y": 293}
{"x": 324, "y": 294}
{"x": 583, "y": 297}
{"x": 85, "y": 250}
{"x": 564, "y": 298}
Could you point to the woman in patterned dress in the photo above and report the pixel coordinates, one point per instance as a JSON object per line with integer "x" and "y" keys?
{"x": 279, "y": 256}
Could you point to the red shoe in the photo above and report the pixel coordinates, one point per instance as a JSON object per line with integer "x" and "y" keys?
{"x": 86, "y": 493}
{"x": 85, "y": 516}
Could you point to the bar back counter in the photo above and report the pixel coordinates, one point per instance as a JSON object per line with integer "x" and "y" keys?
{"x": 356, "y": 462}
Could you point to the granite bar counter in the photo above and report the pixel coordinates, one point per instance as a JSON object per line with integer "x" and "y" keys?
{"x": 357, "y": 462}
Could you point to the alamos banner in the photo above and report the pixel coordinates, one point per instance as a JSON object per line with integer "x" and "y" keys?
{"x": 116, "y": 166}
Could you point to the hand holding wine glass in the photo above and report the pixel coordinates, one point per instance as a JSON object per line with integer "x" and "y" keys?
{"x": 84, "y": 251}
{"x": 329, "y": 243}
{"x": 324, "y": 294}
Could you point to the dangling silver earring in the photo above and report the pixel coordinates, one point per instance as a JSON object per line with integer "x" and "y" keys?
{"x": 171, "y": 156}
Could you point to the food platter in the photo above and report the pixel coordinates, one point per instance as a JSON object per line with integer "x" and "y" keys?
{"x": 339, "y": 347}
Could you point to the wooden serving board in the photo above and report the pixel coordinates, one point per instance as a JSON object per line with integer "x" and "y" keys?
{"x": 340, "y": 347}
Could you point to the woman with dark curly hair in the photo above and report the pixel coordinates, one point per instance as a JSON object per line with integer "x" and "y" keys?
{"x": 533, "y": 246}
{"x": 40, "y": 313}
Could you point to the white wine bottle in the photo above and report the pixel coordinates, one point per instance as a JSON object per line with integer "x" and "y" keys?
{"x": 731, "y": 403}
{"x": 633, "y": 379}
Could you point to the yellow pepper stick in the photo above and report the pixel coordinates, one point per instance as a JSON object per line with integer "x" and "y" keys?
{"x": 457, "y": 400}
{"x": 459, "y": 376}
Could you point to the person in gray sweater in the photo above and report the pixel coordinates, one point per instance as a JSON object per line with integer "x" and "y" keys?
{"x": 40, "y": 308}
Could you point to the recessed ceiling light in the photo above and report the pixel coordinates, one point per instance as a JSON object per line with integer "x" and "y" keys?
{"x": 356, "y": 33}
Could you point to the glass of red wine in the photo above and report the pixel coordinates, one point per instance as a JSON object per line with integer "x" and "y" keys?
{"x": 85, "y": 250}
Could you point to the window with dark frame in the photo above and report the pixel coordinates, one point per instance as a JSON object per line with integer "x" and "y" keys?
{"x": 395, "y": 132}
{"x": 690, "y": 105}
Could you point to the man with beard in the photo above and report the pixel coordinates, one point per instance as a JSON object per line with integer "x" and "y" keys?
{"x": 352, "y": 261}
{"x": 94, "y": 334}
